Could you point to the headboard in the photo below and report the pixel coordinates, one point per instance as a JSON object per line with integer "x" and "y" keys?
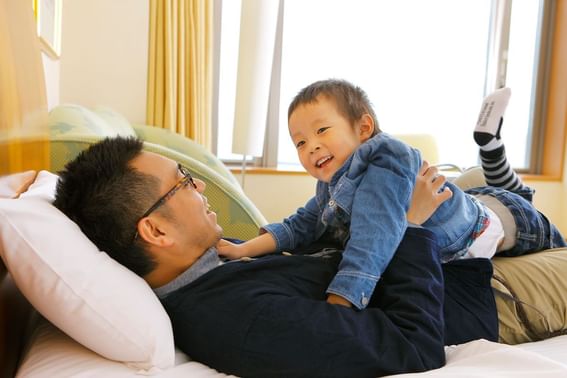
{"x": 15, "y": 315}
{"x": 23, "y": 114}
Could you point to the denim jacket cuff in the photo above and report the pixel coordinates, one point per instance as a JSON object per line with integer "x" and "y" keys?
{"x": 354, "y": 287}
{"x": 281, "y": 234}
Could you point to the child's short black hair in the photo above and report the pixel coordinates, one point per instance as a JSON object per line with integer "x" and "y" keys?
{"x": 105, "y": 197}
{"x": 352, "y": 102}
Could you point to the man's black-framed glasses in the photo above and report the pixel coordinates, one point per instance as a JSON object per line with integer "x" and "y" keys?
{"x": 186, "y": 180}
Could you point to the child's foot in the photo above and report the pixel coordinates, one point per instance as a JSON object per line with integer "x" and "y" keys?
{"x": 487, "y": 129}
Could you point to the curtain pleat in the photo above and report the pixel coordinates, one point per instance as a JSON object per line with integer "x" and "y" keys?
{"x": 179, "y": 68}
{"x": 24, "y": 142}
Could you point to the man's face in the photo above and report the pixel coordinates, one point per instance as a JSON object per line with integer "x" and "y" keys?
{"x": 193, "y": 225}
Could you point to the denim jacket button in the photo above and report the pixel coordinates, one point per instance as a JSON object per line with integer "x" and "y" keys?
{"x": 286, "y": 253}
{"x": 332, "y": 203}
{"x": 364, "y": 301}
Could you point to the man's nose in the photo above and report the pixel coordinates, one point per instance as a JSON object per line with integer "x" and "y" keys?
{"x": 200, "y": 185}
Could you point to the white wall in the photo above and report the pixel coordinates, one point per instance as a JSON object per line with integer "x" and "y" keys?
{"x": 278, "y": 195}
{"x": 104, "y": 55}
{"x": 550, "y": 200}
{"x": 51, "y": 71}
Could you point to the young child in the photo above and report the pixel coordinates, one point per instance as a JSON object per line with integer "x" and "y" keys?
{"x": 365, "y": 182}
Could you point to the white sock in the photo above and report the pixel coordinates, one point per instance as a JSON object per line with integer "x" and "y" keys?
{"x": 487, "y": 129}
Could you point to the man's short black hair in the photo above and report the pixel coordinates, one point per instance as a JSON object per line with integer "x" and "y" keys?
{"x": 352, "y": 102}
{"x": 105, "y": 197}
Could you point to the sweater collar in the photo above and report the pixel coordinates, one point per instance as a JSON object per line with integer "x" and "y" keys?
{"x": 207, "y": 262}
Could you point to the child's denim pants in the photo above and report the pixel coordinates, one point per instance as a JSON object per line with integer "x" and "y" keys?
{"x": 534, "y": 231}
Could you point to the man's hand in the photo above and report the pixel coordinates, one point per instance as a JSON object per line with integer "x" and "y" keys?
{"x": 338, "y": 300}
{"x": 427, "y": 197}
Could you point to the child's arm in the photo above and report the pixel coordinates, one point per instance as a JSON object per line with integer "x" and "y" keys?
{"x": 258, "y": 246}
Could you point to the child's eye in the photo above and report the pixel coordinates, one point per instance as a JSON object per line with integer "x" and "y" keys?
{"x": 322, "y": 130}
{"x": 299, "y": 144}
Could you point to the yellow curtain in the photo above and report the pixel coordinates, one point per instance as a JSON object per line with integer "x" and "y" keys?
{"x": 23, "y": 105}
{"x": 180, "y": 67}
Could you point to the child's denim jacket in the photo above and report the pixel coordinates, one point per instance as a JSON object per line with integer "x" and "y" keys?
{"x": 365, "y": 207}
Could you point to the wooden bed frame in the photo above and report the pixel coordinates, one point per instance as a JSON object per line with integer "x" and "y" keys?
{"x": 15, "y": 317}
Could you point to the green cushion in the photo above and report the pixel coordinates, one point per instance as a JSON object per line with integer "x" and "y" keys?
{"x": 116, "y": 120}
{"x": 185, "y": 146}
{"x": 78, "y": 120}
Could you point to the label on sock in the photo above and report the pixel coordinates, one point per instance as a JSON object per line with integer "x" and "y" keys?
{"x": 484, "y": 114}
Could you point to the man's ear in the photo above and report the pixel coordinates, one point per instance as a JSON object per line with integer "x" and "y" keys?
{"x": 365, "y": 127}
{"x": 154, "y": 232}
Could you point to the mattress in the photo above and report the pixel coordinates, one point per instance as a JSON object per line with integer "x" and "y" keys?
{"x": 52, "y": 353}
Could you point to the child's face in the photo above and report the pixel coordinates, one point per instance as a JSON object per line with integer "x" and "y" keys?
{"x": 324, "y": 139}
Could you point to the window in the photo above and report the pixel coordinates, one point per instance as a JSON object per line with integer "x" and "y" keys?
{"x": 424, "y": 64}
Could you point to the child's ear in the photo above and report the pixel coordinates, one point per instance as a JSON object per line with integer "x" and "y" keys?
{"x": 365, "y": 127}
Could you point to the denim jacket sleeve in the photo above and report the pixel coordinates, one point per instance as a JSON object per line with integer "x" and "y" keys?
{"x": 296, "y": 230}
{"x": 386, "y": 174}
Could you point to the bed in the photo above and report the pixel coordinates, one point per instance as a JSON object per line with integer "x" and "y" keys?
{"x": 67, "y": 309}
{"x": 59, "y": 318}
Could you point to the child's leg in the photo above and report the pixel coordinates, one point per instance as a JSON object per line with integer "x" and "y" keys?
{"x": 497, "y": 170}
{"x": 526, "y": 230}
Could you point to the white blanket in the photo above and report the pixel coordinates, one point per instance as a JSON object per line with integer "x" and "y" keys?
{"x": 483, "y": 358}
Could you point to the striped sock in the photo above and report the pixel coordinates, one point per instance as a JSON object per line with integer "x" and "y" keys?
{"x": 497, "y": 170}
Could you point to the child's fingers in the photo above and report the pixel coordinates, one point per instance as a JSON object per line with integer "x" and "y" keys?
{"x": 438, "y": 181}
{"x": 431, "y": 174}
{"x": 424, "y": 167}
{"x": 444, "y": 195}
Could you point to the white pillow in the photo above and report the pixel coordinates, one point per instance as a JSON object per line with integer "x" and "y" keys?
{"x": 84, "y": 292}
{"x": 43, "y": 187}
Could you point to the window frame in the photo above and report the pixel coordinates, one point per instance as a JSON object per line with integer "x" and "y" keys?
{"x": 555, "y": 96}
{"x": 550, "y": 108}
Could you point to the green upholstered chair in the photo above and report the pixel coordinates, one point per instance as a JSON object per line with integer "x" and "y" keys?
{"x": 73, "y": 128}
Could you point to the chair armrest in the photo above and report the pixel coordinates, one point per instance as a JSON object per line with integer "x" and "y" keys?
{"x": 236, "y": 214}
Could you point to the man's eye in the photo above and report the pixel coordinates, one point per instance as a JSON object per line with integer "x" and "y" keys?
{"x": 322, "y": 130}
{"x": 299, "y": 144}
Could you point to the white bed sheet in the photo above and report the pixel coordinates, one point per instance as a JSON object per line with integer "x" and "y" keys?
{"x": 51, "y": 353}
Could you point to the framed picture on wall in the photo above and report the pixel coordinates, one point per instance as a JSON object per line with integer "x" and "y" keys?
{"x": 48, "y": 18}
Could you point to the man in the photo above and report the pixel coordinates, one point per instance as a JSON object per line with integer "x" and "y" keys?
{"x": 264, "y": 317}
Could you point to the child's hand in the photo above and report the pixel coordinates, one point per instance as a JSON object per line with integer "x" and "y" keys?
{"x": 258, "y": 246}
{"x": 426, "y": 197}
{"x": 230, "y": 250}
{"x": 338, "y": 300}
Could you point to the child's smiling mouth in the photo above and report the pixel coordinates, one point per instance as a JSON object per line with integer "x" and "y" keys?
{"x": 323, "y": 161}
